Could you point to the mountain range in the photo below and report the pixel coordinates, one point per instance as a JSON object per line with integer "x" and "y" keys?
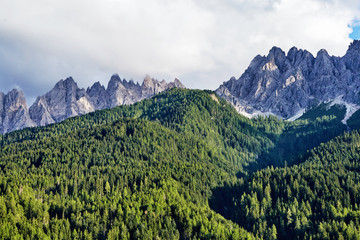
{"x": 286, "y": 85}
{"x": 280, "y": 84}
{"x": 66, "y": 100}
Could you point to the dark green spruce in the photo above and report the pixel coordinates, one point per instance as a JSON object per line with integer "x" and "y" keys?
{"x": 182, "y": 165}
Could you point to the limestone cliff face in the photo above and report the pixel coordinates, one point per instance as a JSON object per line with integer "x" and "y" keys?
{"x": 286, "y": 84}
{"x": 14, "y": 113}
{"x": 66, "y": 100}
{"x": 151, "y": 86}
{"x": 63, "y": 101}
{"x": 122, "y": 92}
{"x": 98, "y": 96}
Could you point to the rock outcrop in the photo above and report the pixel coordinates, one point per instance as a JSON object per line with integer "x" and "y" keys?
{"x": 14, "y": 113}
{"x": 122, "y": 92}
{"x": 287, "y": 84}
{"x": 63, "y": 101}
{"x": 98, "y": 96}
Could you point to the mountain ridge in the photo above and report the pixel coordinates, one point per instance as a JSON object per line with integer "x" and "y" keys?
{"x": 66, "y": 100}
{"x": 281, "y": 84}
{"x": 286, "y": 85}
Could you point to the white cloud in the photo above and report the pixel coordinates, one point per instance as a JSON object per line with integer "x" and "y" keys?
{"x": 203, "y": 42}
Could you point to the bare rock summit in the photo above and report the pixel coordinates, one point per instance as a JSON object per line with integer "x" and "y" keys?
{"x": 14, "y": 113}
{"x": 286, "y": 85}
{"x": 66, "y": 100}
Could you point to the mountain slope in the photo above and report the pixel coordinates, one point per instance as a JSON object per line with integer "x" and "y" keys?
{"x": 161, "y": 168}
{"x": 132, "y": 178}
{"x": 254, "y": 143}
{"x": 317, "y": 199}
{"x": 287, "y": 84}
{"x": 186, "y": 111}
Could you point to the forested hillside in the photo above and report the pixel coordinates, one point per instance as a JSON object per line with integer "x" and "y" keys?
{"x": 182, "y": 165}
{"x": 317, "y": 199}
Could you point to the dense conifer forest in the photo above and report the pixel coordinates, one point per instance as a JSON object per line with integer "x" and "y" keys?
{"x": 182, "y": 165}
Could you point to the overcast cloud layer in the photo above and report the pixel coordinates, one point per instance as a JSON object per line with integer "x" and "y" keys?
{"x": 201, "y": 42}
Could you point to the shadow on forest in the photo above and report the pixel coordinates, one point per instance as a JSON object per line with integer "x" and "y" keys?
{"x": 221, "y": 201}
{"x": 290, "y": 148}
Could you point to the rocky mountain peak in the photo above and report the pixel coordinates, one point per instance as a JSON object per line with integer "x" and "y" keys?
{"x": 178, "y": 84}
{"x": 300, "y": 58}
{"x": 276, "y": 53}
{"x": 285, "y": 85}
{"x": 14, "y": 99}
{"x": 323, "y": 64}
{"x": 114, "y": 81}
{"x": 14, "y": 112}
{"x": 66, "y": 100}
{"x": 323, "y": 52}
{"x": 352, "y": 57}
{"x": 148, "y": 82}
{"x": 129, "y": 84}
{"x": 98, "y": 96}
{"x": 175, "y": 84}
{"x": 293, "y": 52}
{"x": 95, "y": 88}
{"x": 66, "y": 84}
{"x": 354, "y": 47}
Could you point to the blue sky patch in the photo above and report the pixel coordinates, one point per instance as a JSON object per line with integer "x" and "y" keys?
{"x": 356, "y": 30}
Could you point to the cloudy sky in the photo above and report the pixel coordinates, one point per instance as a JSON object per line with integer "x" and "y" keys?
{"x": 201, "y": 42}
